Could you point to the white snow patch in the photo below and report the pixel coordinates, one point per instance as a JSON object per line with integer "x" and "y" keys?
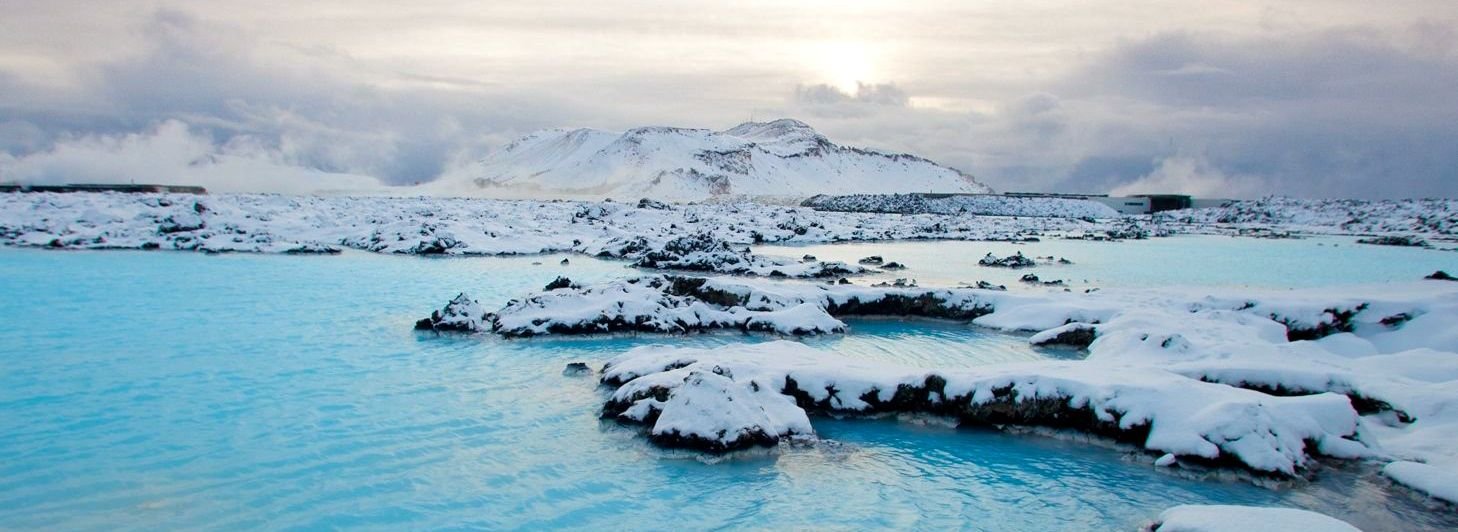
{"x": 1223, "y": 518}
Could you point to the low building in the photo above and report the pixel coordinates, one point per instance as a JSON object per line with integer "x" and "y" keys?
{"x": 1129, "y": 205}
{"x": 1135, "y": 204}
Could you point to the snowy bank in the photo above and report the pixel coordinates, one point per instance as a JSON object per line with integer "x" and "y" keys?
{"x": 1389, "y": 353}
{"x": 1409, "y": 217}
{"x": 1222, "y": 518}
{"x": 709, "y": 237}
{"x": 741, "y": 395}
{"x": 681, "y": 304}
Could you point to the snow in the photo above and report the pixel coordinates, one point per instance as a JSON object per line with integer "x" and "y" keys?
{"x": 779, "y": 158}
{"x": 712, "y": 237}
{"x": 1434, "y": 481}
{"x": 1296, "y": 366}
{"x": 710, "y": 234}
{"x": 658, "y": 304}
{"x": 712, "y": 410}
{"x": 1223, "y": 518}
{"x": 1408, "y": 217}
{"x": 1182, "y": 416}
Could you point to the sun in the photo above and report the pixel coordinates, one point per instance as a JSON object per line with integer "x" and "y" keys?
{"x": 845, "y": 65}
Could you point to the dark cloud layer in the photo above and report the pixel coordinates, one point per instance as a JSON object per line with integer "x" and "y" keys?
{"x": 1333, "y": 114}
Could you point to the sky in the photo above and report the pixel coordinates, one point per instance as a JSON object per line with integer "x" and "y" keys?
{"x": 1329, "y": 98}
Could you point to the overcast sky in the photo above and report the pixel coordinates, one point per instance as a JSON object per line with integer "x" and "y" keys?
{"x": 1330, "y": 98}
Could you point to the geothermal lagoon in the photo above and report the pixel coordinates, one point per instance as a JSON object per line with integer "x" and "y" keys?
{"x": 183, "y": 390}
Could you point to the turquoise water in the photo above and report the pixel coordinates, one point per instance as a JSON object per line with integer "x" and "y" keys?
{"x": 1186, "y": 260}
{"x": 172, "y": 390}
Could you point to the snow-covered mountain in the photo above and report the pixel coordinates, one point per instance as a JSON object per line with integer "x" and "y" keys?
{"x": 781, "y": 158}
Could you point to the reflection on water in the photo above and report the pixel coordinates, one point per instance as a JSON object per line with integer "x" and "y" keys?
{"x": 152, "y": 390}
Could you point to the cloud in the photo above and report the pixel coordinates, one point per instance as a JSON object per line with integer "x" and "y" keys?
{"x": 1350, "y": 113}
{"x": 1192, "y": 175}
{"x": 299, "y": 113}
{"x": 828, "y": 100}
{"x": 173, "y": 154}
{"x": 1349, "y": 103}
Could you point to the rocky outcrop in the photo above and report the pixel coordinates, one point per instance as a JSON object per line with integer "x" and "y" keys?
{"x": 461, "y": 314}
{"x": 705, "y": 253}
{"x": 739, "y": 396}
{"x": 1017, "y": 260}
{"x": 1078, "y": 335}
{"x": 1395, "y": 240}
{"x": 676, "y": 304}
{"x": 559, "y": 283}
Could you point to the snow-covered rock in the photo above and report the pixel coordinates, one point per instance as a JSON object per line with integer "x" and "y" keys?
{"x": 1395, "y": 240}
{"x": 1156, "y": 409}
{"x": 1389, "y": 352}
{"x": 649, "y": 304}
{"x": 705, "y": 408}
{"x": 461, "y": 314}
{"x": 779, "y": 158}
{"x": 702, "y": 252}
{"x": 1224, "y": 518}
{"x": 1016, "y": 260}
{"x": 679, "y": 304}
{"x": 284, "y": 224}
{"x": 1073, "y": 335}
{"x": 1435, "y": 481}
{"x": 963, "y": 205}
{"x": 1276, "y": 214}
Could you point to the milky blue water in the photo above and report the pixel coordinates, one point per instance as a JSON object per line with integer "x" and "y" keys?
{"x": 171, "y": 390}
{"x": 1186, "y": 260}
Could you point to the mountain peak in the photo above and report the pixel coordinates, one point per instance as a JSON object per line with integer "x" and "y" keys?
{"x": 783, "y": 157}
{"x": 776, "y": 123}
{"x": 785, "y": 137}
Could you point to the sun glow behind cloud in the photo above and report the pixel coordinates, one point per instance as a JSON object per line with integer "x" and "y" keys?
{"x": 844, "y": 65}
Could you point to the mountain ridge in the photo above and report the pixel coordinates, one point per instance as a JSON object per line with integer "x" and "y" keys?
{"x": 784, "y": 157}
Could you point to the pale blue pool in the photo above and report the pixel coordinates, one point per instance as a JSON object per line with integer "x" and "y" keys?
{"x": 1185, "y": 260}
{"x": 172, "y": 390}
